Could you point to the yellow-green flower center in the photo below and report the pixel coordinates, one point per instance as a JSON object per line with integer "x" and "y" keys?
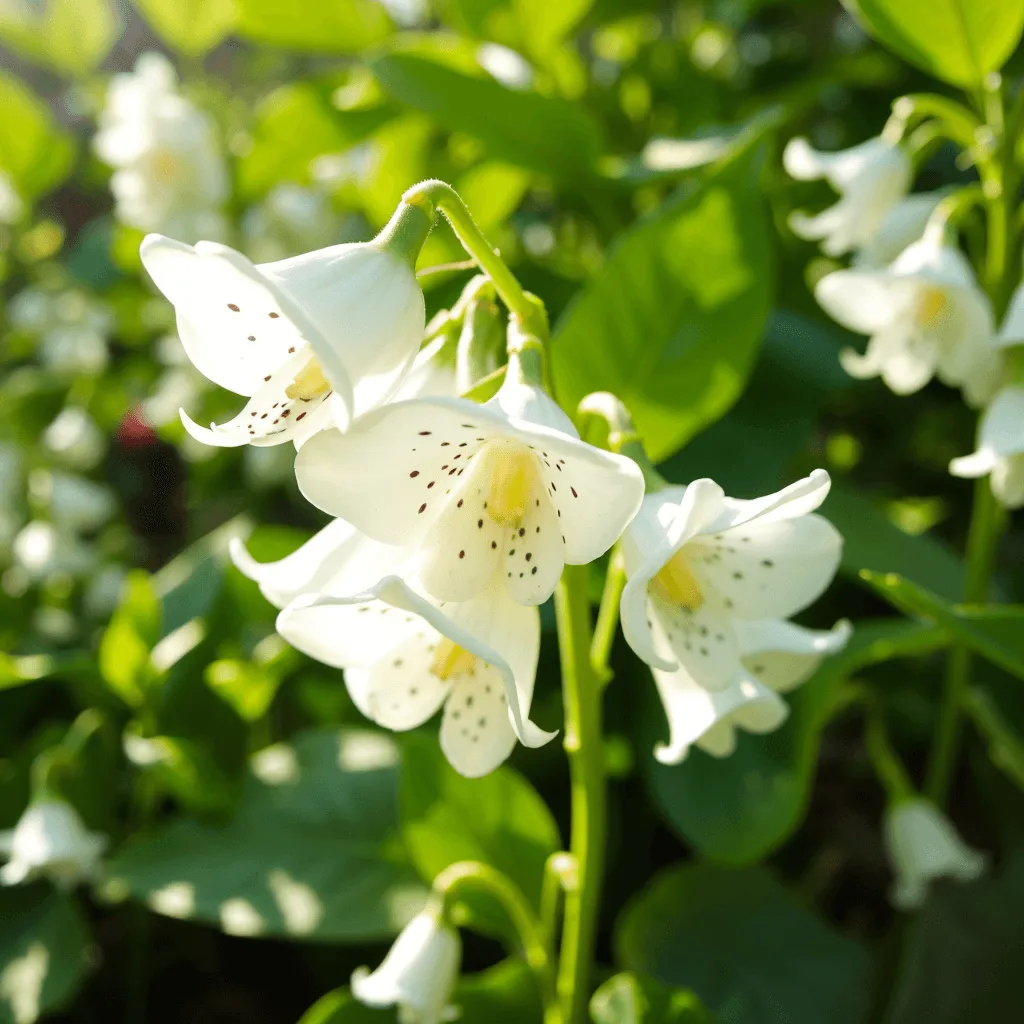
{"x": 309, "y": 383}
{"x": 451, "y": 660}
{"x": 513, "y": 474}
{"x": 931, "y": 306}
{"x": 677, "y": 584}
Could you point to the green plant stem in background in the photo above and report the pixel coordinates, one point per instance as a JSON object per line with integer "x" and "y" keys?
{"x": 608, "y": 617}
{"x": 581, "y": 692}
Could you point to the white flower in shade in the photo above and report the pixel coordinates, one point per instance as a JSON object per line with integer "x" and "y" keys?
{"x": 923, "y": 846}
{"x": 903, "y": 225}
{"x": 329, "y": 332}
{"x": 74, "y": 438}
{"x": 777, "y": 657}
{"x": 404, "y": 656}
{"x": 51, "y": 840}
{"x": 871, "y": 179}
{"x": 506, "y": 487}
{"x": 170, "y": 172}
{"x": 926, "y": 316}
{"x": 1000, "y": 453}
{"x": 418, "y": 974}
{"x": 696, "y": 561}
{"x": 290, "y": 219}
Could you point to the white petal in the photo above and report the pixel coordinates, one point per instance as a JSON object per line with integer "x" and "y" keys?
{"x": 1002, "y": 425}
{"x": 979, "y": 463}
{"x": 236, "y": 325}
{"x": 794, "y": 500}
{"x": 1011, "y": 331}
{"x": 534, "y": 554}
{"x": 936, "y": 265}
{"x": 476, "y": 734}
{"x": 768, "y": 568}
{"x": 702, "y": 641}
{"x": 1007, "y": 481}
{"x": 865, "y": 301}
{"x": 783, "y": 655}
{"x": 903, "y": 225}
{"x": 270, "y": 417}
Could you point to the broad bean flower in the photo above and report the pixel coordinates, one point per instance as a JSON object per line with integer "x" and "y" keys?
{"x": 51, "y": 840}
{"x": 923, "y": 846}
{"x": 925, "y": 315}
{"x": 1000, "y": 452}
{"x": 871, "y": 179}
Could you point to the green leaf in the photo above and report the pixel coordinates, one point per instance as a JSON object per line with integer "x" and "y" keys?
{"x": 124, "y": 655}
{"x": 749, "y": 949}
{"x": 541, "y": 133}
{"x": 341, "y": 26}
{"x": 672, "y": 322}
{"x": 69, "y": 36}
{"x": 503, "y": 994}
{"x": 545, "y": 24}
{"x": 738, "y": 809}
{"x": 964, "y": 954}
{"x": 959, "y": 41}
{"x": 499, "y": 819}
{"x": 191, "y": 26}
{"x": 310, "y": 851}
{"x": 34, "y": 152}
{"x": 872, "y": 541}
{"x": 43, "y": 953}
{"x": 630, "y": 998}
{"x": 493, "y": 192}
{"x": 995, "y": 632}
{"x": 1005, "y": 743}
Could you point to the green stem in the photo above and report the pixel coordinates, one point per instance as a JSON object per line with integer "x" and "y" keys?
{"x": 608, "y": 617}
{"x": 443, "y": 197}
{"x": 983, "y": 535}
{"x": 471, "y": 874}
{"x": 888, "y": 767}
{"x": 582, "y": 699}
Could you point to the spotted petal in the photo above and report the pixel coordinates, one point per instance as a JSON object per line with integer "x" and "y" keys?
{"x": 782, "y": 655}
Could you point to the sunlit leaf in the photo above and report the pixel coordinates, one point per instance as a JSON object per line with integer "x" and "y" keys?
{"x": 190, "y": 26}
{"x": 69, "y": 36}
{"x": 341, "y": 26}
{"x": 631, "y": 998}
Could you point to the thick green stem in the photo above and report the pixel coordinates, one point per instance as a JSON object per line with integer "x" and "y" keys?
{"x": 583, "y": 743}
{"x": 608, "y": 617}
{"x": 986, "y": 524}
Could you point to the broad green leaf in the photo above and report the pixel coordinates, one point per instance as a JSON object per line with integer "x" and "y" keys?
{"x": 630, "y": 998}
{"x": 310, "y": 851}
{"x": 737, "y": 810}
{"x": 995, "y": 632}
{"x": 540, "y": 133}
{"x": 872, "y": 541}
{"x": 964, "y": 954}
{"x": 34, "y": 152}
{"x": 341, "y": 26}
{"x": 672, "y": 322}
{"x": 69, "y": 36}
{"x": 493, "y": 192}
{"x": 124, "y": 655}
{"x": 545, "y": 24}
{"x": 746, "y": 946}
{"x": 43, "y": 953}
{"x": 959, "y": 41}
{"x": 499, "y": 819}
{"x": 504, "y": 994}
{"x": 191, "y": 26}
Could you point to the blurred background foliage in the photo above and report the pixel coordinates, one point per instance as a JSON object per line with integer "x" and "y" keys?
{"x": 623, "y": 155}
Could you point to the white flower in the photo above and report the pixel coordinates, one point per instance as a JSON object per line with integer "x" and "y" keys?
{"x": 903, "y": 225}
{"x": 1011, "y": 332}
{"x": 405, "y": 656}
{"x": 777, "y": 657}
{"x": 51, "y": 840}
{"x": 41, "y": 550}
{"x": 345, "y": 321}
{"x": 418, "y": 974}
{"x": 290, "y": 219}
{"x": 696, "y": 561}
{"x": 870, "y": 178}
{"x": 923, "y": 845}
{"x": 171, "y": 175}
{"x": 926, "y": 317}
{"x": 1000, "y": 452}
{"x": 74, "y": 437}
{"x": 506, "y": 487}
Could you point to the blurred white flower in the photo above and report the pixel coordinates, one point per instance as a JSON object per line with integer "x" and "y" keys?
{"x": 871, "y": 179}
{"x": 923, "y": 846}
{"x": 1000, "y": 452}
{"x": 504, "y": 65}
{"x": 74, "y": 438}
{"x": 418, "y": 974}
{"x": 903, "y": 225}
{"x": 75, "y": 502}
{"x": 51, "y": 840}
{"x": 12, "y": 208}
{"x": 291, "y": 219}
{"x": 170, "y": 171}
{"x": 41, "y": 550}
{"x": 697, "y": 561}
{"x": 72, "y": 326}
{"x": 926, "y": 316}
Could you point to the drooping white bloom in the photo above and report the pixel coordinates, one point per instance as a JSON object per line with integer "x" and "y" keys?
{"x": 506, "y": 487}
{"x": 51, "y": 840}
{"x": 776, "y": 656}
{"x": 923, "y": 845}
{"x": 903, "y": 225}
{"x": 418, "y": 974}
{"x": 405, "y": 656}
{"x": 870, "y": 178}
{"x": 328, "y": 332}
{"x": 170, "y": 172}
{"x": 926, "y": 316}
{"x": 74, "y": 438}
{"x": 696, "y": 561}
{"x": 1000, "y": 452}
{"x": 289, "y": 220}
